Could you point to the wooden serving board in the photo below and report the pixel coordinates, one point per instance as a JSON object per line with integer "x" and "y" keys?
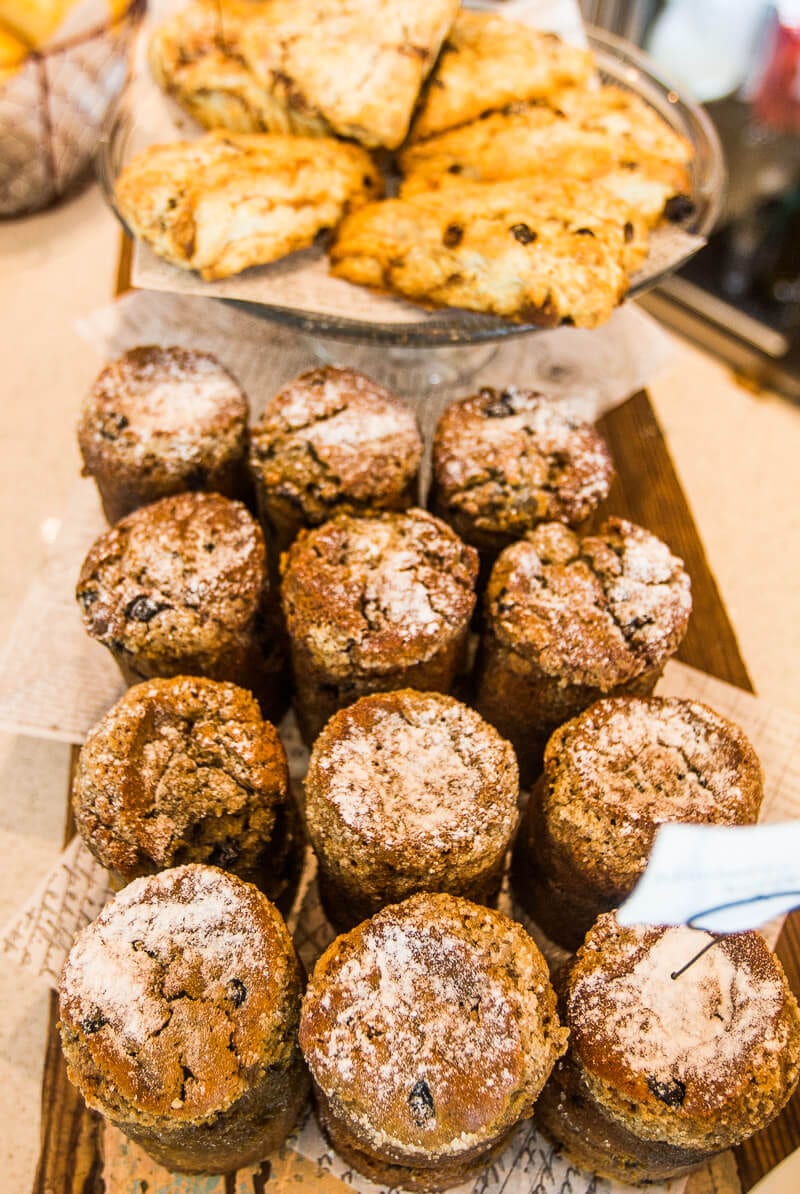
{"x": 646, "y": 490}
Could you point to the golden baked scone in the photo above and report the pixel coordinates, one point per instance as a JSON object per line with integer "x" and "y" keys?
{"x": 545, "y": 253}
{"x": 488, "y": 62}
{"x": 232, "y": 200}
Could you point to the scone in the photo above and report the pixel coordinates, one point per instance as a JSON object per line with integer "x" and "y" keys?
{"x": 489, "y": 61}
{"x": 429, "y": 1031}
{"x": 179, "y": 1012}
{"x": 231, "y": 200}
{"x": 545, "y": 253}
{"x": 611, "y": 776}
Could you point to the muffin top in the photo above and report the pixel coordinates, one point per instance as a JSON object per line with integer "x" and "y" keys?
{"x": 597, "y": 610}
{"x": 174, "y": 579}
{"x": 417, "y": 779}
{"x": 174, "y": 1000}
{"x": 368, "y": 595}
{"x": 686, "y": 1059}
{"x": 164, "y": 411}
{"x": 505, "y": 461}
{"x": 432, "y": 1027}
{"x": 177, "y": 769}
{"x": 628, "y": 764}
{"x": 333, "y": 438}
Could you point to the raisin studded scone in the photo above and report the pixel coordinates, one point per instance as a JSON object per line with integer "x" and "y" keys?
{"x": 352, "y": 67}
{"x": 546, "y": 253}
{"x": 488, "y": 62}
{"x": 231, "y": 200}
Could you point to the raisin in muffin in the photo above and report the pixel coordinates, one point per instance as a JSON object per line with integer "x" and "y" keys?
{"x": 179, "y": 1012}
{"x": 159, "y": 421}
{"x": 180, "y": 588}
{"x": 332, "y": 441}
{"x": 408, "y": 791}
{"x": 374, "y": 604}
{"x": 505, "y": 461}
{"x": 611, "y": 777}
{"x": 569, "y": 620}
{"x": 663, "y": 1072}
{"x": 429, "y": 1031}
{"x": 186, "y": 770}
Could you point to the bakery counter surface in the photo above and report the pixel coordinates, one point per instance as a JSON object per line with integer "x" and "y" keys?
{"x": 735, "y": 452}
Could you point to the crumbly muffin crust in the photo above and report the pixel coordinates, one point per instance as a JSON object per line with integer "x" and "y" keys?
{"x": 161, "y": 420}
{"x": 333, "y": 440}
{"x": 179, "y": 1009}
{"x": 186, "y": 770}
{"x": 408, "y": 791}
{"x": 450, "y": 1033}
{"x": 505, "y": 461}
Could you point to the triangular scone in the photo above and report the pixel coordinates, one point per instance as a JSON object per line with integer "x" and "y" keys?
{"x": 357, "y": 64}
{"x": 488, "y": 62}
{"x": 229, "y": 201}
{"x": 545, "y": 255}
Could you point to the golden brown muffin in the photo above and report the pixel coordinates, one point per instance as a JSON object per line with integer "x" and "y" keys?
{"x": 179, "y": 1012}
{"x": 569, "y": 620}
{"x": 663, "y": 1072}
{"x": 159, "y": 421}
{"x": 408, "y": 791}
{"x": 611, "y": 777}
{"x": 332, "y": 441}
{"x": 231, "y": 200}
{"x": 180, "y": 588}
{"x": 374, "y": 604}
{"x": 506, "y": 460}
{"x": 429, "y": 1031}
{"x": 543, "y": 251}
{"x": 489, "y": 61}
{"x": 186, "y": 770}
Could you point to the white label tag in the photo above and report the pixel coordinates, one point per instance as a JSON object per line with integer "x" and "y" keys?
{"x": 721, "y": 878}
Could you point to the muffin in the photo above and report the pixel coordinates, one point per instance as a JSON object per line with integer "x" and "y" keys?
{"x": 611, "y": 776}
{"x": 506, "y": 461}
{"x": 185, "y": 770}
{"x": 663, "y": 1072}
{"x": 405, "y": 792}
{"x": 569, "y": 620}
{"x": 180, "y": 588}
{"x": 160, "y": 421}
{"x": 332, "y": 441}
{"x": 429, "y": 1031}
{"x": 374, "y": 604}
{"x": 179, "y": 1012}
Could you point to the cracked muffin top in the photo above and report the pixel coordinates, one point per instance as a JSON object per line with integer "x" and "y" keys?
{"x": 597, "y": 611}
{"x": 368, "y": 595}
{"x": 176, "y": 582}
{"x": 627, "y": 765}
{"x": 334, "y": 439}
{"x": 180, "y": 770}
{"x": 505, "y": 461}
{"x": 176, "y": 999}
{"x": 698, "y": 1061}
{"x": 431, "y": 1028}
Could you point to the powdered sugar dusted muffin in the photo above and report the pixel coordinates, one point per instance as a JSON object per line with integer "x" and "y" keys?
{"x": 408, "y": 791}
{"x": 569, "y": 620}
{"x": 179, "y": 1012}
{"x": 663, "y": 1072}
{"x": 429, "y": 1031}
{"x": 611, "y": 776}
{"x": 159, "y": 421}
{"x": 332, "y": 441}
{"x": 374, "y": 604}
{"x": 186, "y": 770}
{"x": 505, "y": 461}
{"x": 180, "y": 588}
